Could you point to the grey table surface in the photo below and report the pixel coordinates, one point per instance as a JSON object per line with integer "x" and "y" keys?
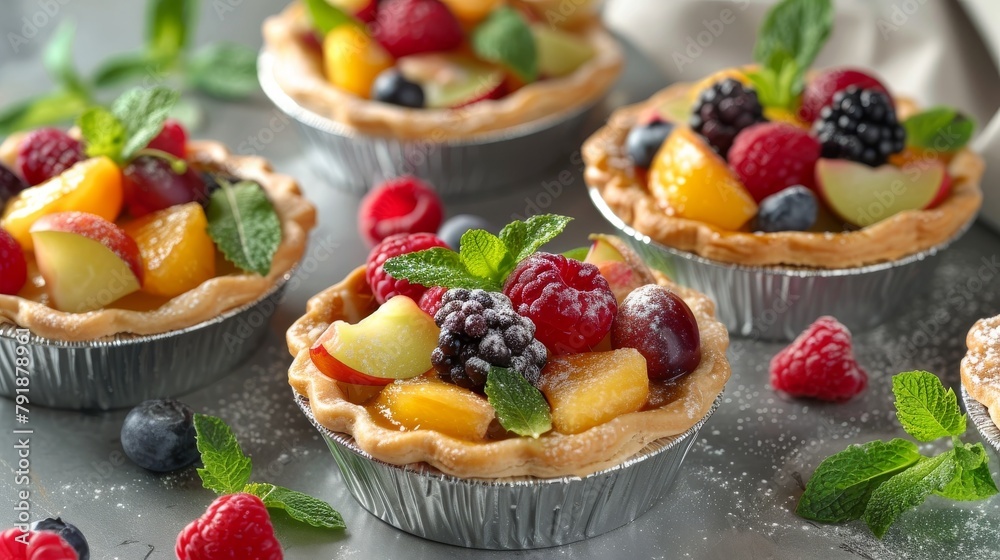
{"x": 737, "y": 491}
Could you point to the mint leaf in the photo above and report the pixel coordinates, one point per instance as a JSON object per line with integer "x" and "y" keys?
{"x": 522, "y": 241}
{"x": 941, "y": 129}
{"x": 926, "y": 409}
{"x": 579, "y": 254}
{"x": 103, "y": 133}
{"x": 907, "y": 490}
{"x": 142, "y": 112}
{"x": 505, "y": 38}
{"x": 326, "y": 16}
{"x": 167, "y": 27}
{"x": 788, "y": 41}
{"x": 484, "y": 255}
{"x": 58, "y": 59}
{"x": 244, "y": 226}
{"x": 48, "y": 109}
{"x": 842, "y": 484}
{"x": 118, "y": 69}
{"x": 224, "y": 70}
{"x": 520, "y": 407}
{"x": 227, "y": 469}
{"x": 298, "y": 506}
{"x": 436, "y": 267}
{"x": 973, "y": 480}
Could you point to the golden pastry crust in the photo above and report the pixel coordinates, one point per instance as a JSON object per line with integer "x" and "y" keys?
{"x": 610, "y": 172}
{"x": 981, "y": 365}
{"x": 551, "y": 455}
{"x": 207, "y": 301}
{"x": 298, "y": 69}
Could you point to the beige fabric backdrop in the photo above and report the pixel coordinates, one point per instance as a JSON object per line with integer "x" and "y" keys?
{"x": 937, "y": 51}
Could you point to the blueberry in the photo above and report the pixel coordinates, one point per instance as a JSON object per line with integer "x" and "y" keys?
{"x": 158, "y": 435}
{"x": 792, "y": 209}
{"x": 645, "y": 140}
{"x": 10, "y": 184}
{"x": 452, "y": 230}
{"x": 68, "y": 532}
{"x": 391, "y": 87}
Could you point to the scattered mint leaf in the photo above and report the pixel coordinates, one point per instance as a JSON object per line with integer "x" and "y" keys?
{"x": 224, "y": 70}
{"x": 926, "y": 409}
{"x": 48, "y": 109}
{"x": 907, "y": 490}
{"x": 244, "y": 225}
{"x": 227, "y": 469}
{"x": 167, "y": 27}
{"x": 579, "y": 254}
{"x": 972, "y": 480}
{"x": 103, "y": 133}
{"x": 326, "y": 16}
{"x": 142, "y": 112}
{"x": 436, "y": 267}
{"x": 484, "y": 255}
{"x": 121, "y": 68}
{"x": 788, "y": 41}
{"x": 506, "y": 39}
{"x": 520, "y": 407}
{"x": 842, "y": 484}
{"x": 941, "y": 129}
{"x": 58, "y": 59}
{"x": 298, "y": 506}
{"x": 539, "y": 230}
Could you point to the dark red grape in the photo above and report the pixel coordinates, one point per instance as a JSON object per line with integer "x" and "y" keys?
{"x": 657, "y": 323}
{"x": 151, "y": 184}
{"x": 10, "y": 185}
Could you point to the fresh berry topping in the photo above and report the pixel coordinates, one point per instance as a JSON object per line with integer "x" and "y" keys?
{"x": 41, "y": 545}
{"x": 769, "y": 157}
{"x": 430, "y": 302}
{"x": 723, "y": 110}
{"x": 385, "y": 286}
{"x": 656, "y": 322}
{"x": 453, "y": 229}
{"x": 69, "y": 533}
{"x": 480, "y": 329}
{"x": 860, "y": 125}
{"x": 400, "y": 205}
{"x": 158, "y": 435}
{"x": 151, "y": 184}
{"x": 13, "y": 267}
{"x": 235, "y": 526}
{"x": 793, "y": 209}
{"x": 570, "y": 303}
{"x": 819, "y": 364}
{"x": 406, "y": 27}
{"x": 10, "y": 184}
{"x": 391, "y": 87}
{"x": 820, "y": 91}
{"x": 47, "y": 152}
{"x": 172, "y": 139}
{"x": 644, "y": 141}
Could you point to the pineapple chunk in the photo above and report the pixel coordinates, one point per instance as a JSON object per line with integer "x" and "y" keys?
{"x": 431, "y": 404}
{"x": 589, "y": 389}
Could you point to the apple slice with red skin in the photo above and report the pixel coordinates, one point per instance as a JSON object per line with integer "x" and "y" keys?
{"x": 394, "y": 342}
{"x": 452, "y": 80}
{"x": 87, "y": 262}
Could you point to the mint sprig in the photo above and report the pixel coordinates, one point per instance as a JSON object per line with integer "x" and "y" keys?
{"x": 940, "y": 129}
{"x": 244, "y": 225}
{"x": 521, "y": 408}
{"x": 135, "y": 118}
{"x": 227, "y": 471}
{"x": 484, "y": 260}
{"x": 505, "y": 38}
{"x": 879, "y": 481}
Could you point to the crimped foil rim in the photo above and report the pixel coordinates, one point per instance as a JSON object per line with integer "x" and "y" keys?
{"x": 292, "y": 108}
{"x": 8, "y": 330}
{"x": 981, "y": 418}
{"x": 611, "y": 217}
{"x": 651, "y": 450}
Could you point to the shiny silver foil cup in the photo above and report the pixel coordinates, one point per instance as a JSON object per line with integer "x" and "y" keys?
{"x": 355, "y": 162}
{"x": 125, "y": 369}
{"x": 510, "y": 513}
{"x": 980, "y": 416}
{"x": 778, "y": 303}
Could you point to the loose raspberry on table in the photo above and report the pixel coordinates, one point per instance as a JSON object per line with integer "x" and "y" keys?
{"x": 569, "y": 301}
{"x": 406, "y": 27}
{"x": 401, "y": 205}
{"x": 34, "y": 545}
{"x": 385, "y": 286}
{"x": 723, "y": 110}
{"x": 46, "y": 153}
{"x": 819, "y": 364}
{"x": 235, "y": 526}
{"x": 769, "y": 157}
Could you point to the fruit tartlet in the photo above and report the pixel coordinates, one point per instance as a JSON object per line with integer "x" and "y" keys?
{"x": 787, "y": 173}
{"x": 411, "y": 86}
{"x": 502, "y": 361}
{"x": 122, "y": 233}
{"x": 981, "y": 379}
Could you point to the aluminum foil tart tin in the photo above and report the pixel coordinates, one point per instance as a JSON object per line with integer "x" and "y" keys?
{"x": 354, "y": 162}
{"x": 125, "y": 369}
{"x": 512, "y": 513}
{"x": 778, "y": 303}
{"x": 980, "y": 416}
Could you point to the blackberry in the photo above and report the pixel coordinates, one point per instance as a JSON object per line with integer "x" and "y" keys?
{"x": 723, "y": 110}
{"x": 860, "y": 125}
{"x": 479, "y": 330}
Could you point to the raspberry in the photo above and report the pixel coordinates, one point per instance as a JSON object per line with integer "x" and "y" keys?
{"x": 69, "y": 533}
{"x": 172, "y": 139}
{"x": 385, "y": 286}
{"x": 768, "y": 157}
{"x": 723, "y": 110}
{"x": 406, "y": 27}
{"x": 41, "y": 545}
{"x": 10, "y": 184}
{"x": 400, "y": 205}
{"x": 479, "y": 330}
{"x": 234, "y": 526}
{"x": 820, "y": 91}
{"x": 570, "y": 303}
{"x": 47, "y": 152}
{"x": 13, "y": 267}
{"x": 860, "y": 125}
{"x": 819, "y": 364}
{"x": 430, "y": 302}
